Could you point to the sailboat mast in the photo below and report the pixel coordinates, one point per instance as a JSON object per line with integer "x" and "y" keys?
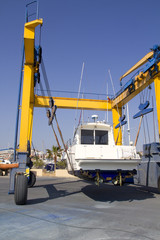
{"x": 128, "y": 130}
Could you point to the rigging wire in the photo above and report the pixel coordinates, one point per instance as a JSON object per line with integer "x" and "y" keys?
{"x": 128, "y": 123}
{"x": 45, "y": 101}
{"x": 82, "y": 93}
{"x": 116, "y": 104}
{"x": 45, "y": 78}
{"x": 49, "y": 95}
{"x": 40, "y": 31}
{"x": 106, "y": 113}
{"x": 144, "y": 96}
{"x": 123, "y": 135}
{"x": 65, "y": 149}
{"x": 141, "y": 118}
{"x": 55, "y": 136}
{"x": 79, "y": 89}
{"x": 147, "y": 129}
{"x": 144, "y": 133}
{"x": 113, "y": 88}
{"x": 18, "y": 102}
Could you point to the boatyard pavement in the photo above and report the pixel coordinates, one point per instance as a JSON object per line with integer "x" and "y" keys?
{"x": 74, "y": 209}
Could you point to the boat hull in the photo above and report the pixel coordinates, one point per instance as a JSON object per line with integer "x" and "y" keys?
{"x": 107, "y": 175}
{"x": 107, "y": 164}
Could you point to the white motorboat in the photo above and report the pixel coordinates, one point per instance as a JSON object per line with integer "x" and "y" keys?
{"x": 93, "y": 153}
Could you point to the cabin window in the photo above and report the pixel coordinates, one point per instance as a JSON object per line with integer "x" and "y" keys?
{"x": 87, "y": 137}
{"x": 101, "y": 137}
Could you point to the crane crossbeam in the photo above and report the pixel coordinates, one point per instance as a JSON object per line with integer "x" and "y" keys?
{"x": 141, "y": 81}
{"x": 74, "y": 103}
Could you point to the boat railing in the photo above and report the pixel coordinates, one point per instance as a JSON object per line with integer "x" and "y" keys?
{"x": 72, "y": 94}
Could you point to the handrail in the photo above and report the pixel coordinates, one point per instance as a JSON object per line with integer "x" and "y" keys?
{"x": 36, "y": 13}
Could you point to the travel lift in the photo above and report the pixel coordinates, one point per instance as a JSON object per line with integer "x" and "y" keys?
{"x": 22, "y": 164}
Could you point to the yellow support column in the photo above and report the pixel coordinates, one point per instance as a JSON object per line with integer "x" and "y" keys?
{"x": 28, "y": 85}
{"x": 116, "y": 114}
{"x": 27, "y": 108}
{"x": 157, "y": 95}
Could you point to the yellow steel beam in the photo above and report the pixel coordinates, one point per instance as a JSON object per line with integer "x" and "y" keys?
{"x": 116, "y": 114}
{"x": 28, "y": 85}
{"x": 27, "y": 108}
{"x": 157, "y": 95}
{"x": 29, "y": 36}
{"x": 73, "y": 103}
{"x": 138, "y": 64}
{"x": 141, "y": 82}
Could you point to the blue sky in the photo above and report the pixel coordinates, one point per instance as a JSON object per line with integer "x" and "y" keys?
{"x": 104, "y": 34}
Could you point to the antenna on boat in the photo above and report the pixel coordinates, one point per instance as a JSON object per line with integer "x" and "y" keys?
{"x": 106, "y": 113}
{"x": 95, "y": 117}
{"x": 113, "y": 88}
{"x": 82, "y": 111}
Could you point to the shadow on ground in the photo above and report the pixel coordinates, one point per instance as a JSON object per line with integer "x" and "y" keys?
{"x": 111, "y": 193}
{"x": 103, "y": 193}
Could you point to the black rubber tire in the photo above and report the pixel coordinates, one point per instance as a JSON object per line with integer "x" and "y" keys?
{"x": 32, "y": 179}
{"x": 1, "y": 172}
{"x": 21, "y": 189}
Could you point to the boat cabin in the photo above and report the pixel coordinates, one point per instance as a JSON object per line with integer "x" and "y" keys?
{"x": 97, "y": 133}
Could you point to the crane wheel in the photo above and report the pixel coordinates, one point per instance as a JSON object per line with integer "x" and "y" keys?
{"x": 21, "y": 189}
{"x": 32, "y": 179}
{"x": 1, "y": 172}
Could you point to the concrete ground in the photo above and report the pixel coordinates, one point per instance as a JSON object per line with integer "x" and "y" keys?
{"x": 73, "y": 209}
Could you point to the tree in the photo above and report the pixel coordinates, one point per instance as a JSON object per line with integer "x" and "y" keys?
{"x": 49, "y": 153}
{"x": 57, "y": 152}
{"x": 54, "y": 153}
{"x": 37, "y": 163}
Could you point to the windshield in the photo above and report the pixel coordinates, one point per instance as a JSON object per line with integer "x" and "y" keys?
{"x": 87, "y": 137}
{"x": 101, "y": 137}
{"x": 94, "y": 137}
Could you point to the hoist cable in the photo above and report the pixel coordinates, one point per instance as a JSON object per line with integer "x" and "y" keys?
{"x": 116, "y": 104}
{"x": 147, "y": 129}
{"x": 60, "y": 133}
{"x": 45, "y": 101}
{"x": 40, "y": 34}
{"x": 144, "y": 133}
{"x": 34, "y": 149}
{"x": 123, "y": 135}
{"x": 142, "y": 97}
{"x": 135, "y": 143}
{"x": 45, "y": 78}
{"x": 55, "y": 136}
{"x": 146, "y": 94}
{"x": 149, "y": 91}
{"x": 113, "y": 88}
{"x": 18, "y": 103}
{"x": 49, "y": 95}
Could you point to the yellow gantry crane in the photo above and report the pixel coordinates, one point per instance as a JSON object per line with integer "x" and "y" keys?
{"x": 150, "y": 73}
